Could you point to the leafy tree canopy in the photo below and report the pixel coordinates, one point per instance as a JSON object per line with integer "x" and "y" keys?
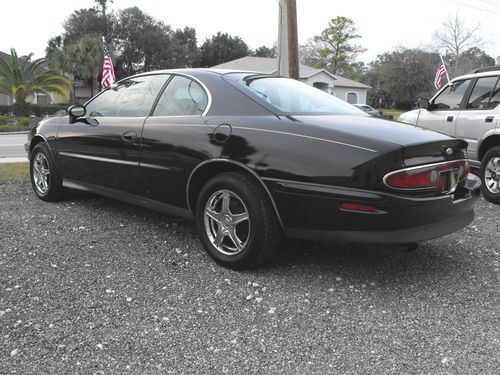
{"x": 336, "y": 48}
{"x": 221, "y": 48}
{"x": 22, "y": 76}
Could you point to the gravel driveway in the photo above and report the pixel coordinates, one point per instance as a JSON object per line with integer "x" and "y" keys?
{"x": 93, "y": 286}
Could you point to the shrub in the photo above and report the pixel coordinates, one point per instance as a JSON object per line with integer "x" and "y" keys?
{"x": 3, "y": 119}
{"x": 33, "y": 109}
{"x": 24, "y": 122}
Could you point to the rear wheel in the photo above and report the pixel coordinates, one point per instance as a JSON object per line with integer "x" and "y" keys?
{"x": 490, "y": 175}
{"x": 236, "y": 221}
{"x": 45, "y": 178}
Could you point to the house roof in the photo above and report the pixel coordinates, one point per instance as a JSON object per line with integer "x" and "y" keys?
{"x": 269, "y": 65}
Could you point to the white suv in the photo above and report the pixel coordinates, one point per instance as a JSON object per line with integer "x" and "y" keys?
{"x": 468, "y": 108}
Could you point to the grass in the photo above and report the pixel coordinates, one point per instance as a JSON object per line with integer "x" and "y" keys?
{"x": 391, "y": 111}
{"x": 14, "y": 128}
{"x": 14, "y": 172}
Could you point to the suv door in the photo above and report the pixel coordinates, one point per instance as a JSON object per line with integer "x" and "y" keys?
{"x": 479, "y": 115}
{"x": 445, "y": 108}
{"x": 104, "y": 147}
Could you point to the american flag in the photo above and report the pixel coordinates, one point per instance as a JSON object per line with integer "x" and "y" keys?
{"x": 441, "y": 70}
{"x": 108, "y": 73}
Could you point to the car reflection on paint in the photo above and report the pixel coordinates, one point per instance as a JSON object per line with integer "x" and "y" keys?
{"x": 254, "y": 158}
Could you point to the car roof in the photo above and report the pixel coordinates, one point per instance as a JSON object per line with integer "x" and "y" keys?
{"x": 487, "y": 73}
{"x": 195, "y": 70}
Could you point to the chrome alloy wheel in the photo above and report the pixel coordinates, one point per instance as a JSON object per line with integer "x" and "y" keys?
{"x": 41, "y": 173}
{"x": 492, "y": 175}
{"x": 227, "y": 222}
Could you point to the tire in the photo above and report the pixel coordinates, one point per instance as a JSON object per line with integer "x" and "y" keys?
{"x": 236, "y": 222}
{"x": 44, "y": 175}
{"x": 490, "y": 175}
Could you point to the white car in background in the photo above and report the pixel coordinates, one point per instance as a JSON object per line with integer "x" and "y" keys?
{"x": 468, "y": 108}
{"x": 368, "y": 110}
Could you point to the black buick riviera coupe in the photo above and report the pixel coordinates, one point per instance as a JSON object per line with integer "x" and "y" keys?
{"x": 252, "y": 157}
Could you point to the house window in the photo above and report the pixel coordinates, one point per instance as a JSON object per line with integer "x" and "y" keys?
{"x": 42, "y": 99}
{"x": 323, "y": 86}
{"x": 352, "y": 98}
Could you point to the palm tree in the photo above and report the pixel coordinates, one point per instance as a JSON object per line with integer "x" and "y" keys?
{"x": 20, "y": 77}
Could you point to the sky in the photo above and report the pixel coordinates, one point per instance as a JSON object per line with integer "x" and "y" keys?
{"x": 27, "y": 25}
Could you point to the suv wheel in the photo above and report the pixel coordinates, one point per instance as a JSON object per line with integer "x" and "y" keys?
{"x": 490, "y": 175}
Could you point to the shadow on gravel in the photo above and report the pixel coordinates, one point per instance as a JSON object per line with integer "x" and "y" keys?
{"x": 357, "y": 262}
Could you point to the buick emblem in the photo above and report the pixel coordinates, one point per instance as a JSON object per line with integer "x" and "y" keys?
{"x": 447, "y": 150}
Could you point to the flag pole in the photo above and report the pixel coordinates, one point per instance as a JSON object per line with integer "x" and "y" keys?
{"x": 445, "y": 69}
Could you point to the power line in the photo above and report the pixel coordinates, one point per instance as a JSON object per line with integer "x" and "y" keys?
{"x": 473, "y": 7}
{"x": 491, "y": 2}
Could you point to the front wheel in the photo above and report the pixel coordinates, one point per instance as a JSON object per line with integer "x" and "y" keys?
{"x": 490, "y": 175}
{"x": 45, "y": 178}
{"x": 236, "y": 221}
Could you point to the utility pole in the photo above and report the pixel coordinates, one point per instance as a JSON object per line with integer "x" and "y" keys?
{"x": 288, "y": 49}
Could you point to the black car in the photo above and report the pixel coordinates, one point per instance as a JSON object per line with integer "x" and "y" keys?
{"x": 252, "y": 157}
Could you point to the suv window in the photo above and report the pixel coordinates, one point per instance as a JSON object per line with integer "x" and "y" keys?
{"x": 182, "y": 97}
{"x": 132, "y": 97}
{"x": 495, "y": 97}
{"x": 452, "y": 96}
{"x": 482, "y": 92}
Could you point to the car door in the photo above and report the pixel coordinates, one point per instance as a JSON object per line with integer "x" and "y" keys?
{"x": 103, "y": 148}
{"x": 444, "y": 109}
{"x": 173, "y": 140}
{"x": 479, "y": 115}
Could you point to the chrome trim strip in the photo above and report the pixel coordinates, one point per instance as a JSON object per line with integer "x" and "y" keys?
{"x": 368, "y": 194}
{"x": 97, "y": 158}
{"x": 246, "y": 168}
{"x": 155, "y": 166}
{"x": 420, "y": 167}
{"x": 305, "y": 136}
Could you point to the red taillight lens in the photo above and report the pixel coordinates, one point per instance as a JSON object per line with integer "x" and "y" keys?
{"x": 435, "y": 176}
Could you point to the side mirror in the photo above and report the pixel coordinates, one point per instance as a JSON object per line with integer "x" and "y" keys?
{"x": 423, "y": 103}
{"x": 76, "y": 112}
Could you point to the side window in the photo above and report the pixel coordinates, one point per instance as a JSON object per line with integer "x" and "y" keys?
{"x": 495, "y": 97}
{"x": 451, "y": 98}
{"x": 133, "y": 97}
{"x": 182, "y": 97}
{"x": 481, "y": 94}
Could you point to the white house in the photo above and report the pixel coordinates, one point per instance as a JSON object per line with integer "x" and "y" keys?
{"x": 351, "y": 91}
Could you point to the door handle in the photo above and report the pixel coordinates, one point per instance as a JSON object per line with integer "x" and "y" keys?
{"x": 130, "y": 137}
{"x": 449, "y": 119}
{"x": 489, "y": 118}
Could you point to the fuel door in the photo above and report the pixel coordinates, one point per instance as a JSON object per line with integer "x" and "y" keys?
{"x": 222, "y": 133}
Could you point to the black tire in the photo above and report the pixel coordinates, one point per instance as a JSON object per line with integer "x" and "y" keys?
{"x": 44, "y": 175}
{"x": 260, "y": 234}
{"x": 490, "y": 188}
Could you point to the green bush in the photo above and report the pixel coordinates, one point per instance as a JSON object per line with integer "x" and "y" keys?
{"x": 3, "y": 119}
{"x": 33, "y": 109}
{"x": 24, "y": 122}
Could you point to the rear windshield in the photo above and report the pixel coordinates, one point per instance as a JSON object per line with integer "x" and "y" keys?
{"x": 290, "y": 97}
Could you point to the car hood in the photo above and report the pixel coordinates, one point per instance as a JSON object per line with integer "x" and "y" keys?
{"x": 409, "y": 117}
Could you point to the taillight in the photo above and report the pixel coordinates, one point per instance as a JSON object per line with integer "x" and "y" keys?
{"x": 443, "y": 177}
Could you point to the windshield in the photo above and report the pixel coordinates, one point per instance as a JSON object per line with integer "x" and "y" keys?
{"x": 290, "y": 97}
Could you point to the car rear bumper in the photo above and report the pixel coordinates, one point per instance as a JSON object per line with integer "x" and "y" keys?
{"x": 313, "y": 212}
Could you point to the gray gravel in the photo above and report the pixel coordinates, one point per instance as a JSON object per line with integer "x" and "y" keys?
{"x": 93, "y": 286}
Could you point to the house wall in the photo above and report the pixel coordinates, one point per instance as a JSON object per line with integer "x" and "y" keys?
{"x": 4, "y": 100}
{"x": 321, "y": 77}
{"x": 341, "y": 93}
